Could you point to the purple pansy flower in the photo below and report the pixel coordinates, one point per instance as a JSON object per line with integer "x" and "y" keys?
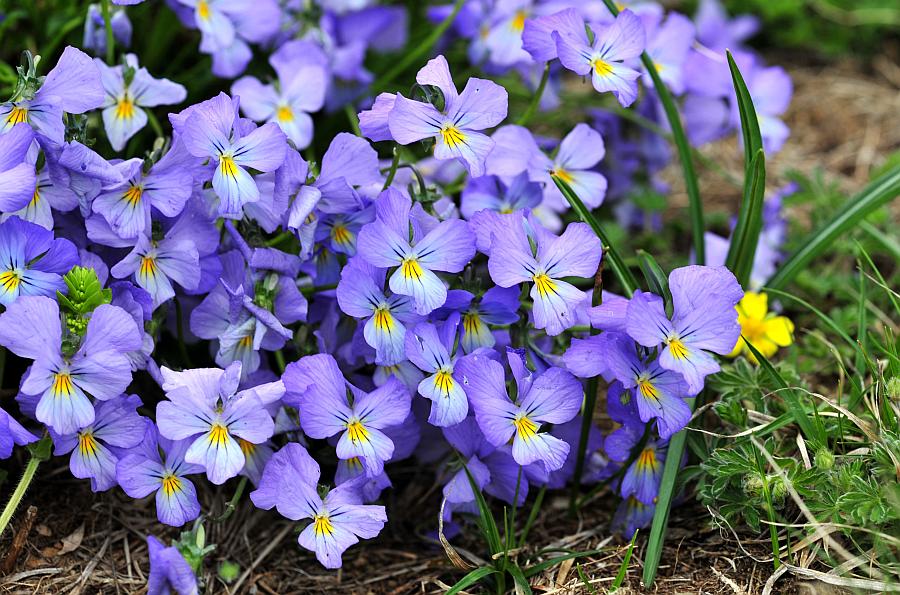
{"x": 481, "y": 105}
{"x": 95, "y": 28}
{"x": 158, "y": 465}
{"x": 431, "y": 349}
{"x": 498, "y": 306}
{"x": 17, "y": 176}
{"x": 360, "y": 294}
{"x": 32, "y": 262}
{"x": 316, "y": 387}
{"x": 668, "y": 45}
{"x": 169, "y": 571}
{"x": 156, "y": 264}
{"x": 213, "y": 130}
{"x": 605, "y": 58}
{"x": 490, "y": 192}
{"x": 289, "y": 484}
{"x": 468, "y": 440}
{"x": 204, "y": 404}
{"x": 575, "y": 253}
{"x": 31, "y": 328}
{"x": 116, "y": 424}
{"x": 127, "y": 96}
{"x": 73, "y": 86}
{"x": 704, "y": 321}
{"x": 11, "y": 434}
{"x": 393, "y": 241}
{"x": 553, "y": 396}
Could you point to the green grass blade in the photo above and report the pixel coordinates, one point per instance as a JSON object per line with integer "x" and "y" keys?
{"x": 656, "y": 278}
{"x": 485, "y": 518}
{"x": 520, "y": 579}
{"x": 744, "y": 240}
{"x": 794, "y": 404}
{"x": 629, "y": 283}
{"x": 470, "y": 579}
{"x": 749, "y": 122}
{"x": 623, "y": 568}
{"x": 879, "y": 192}
{"x": 831, "y": 324}
{"x": 663, "y": 506}
{"x": 542, "y": 566}
{"x": 695, "y": 206}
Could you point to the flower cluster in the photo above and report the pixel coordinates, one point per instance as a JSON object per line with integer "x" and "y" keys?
{"x": 228, "y": 306}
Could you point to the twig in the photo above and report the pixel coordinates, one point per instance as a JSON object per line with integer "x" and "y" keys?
{"x": 262, "y": 556}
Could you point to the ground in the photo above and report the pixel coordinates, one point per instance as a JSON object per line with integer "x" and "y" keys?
{"x": 842, "y": 117}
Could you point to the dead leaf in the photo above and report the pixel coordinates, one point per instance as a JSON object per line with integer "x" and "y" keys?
{"x": 68, "y": 545}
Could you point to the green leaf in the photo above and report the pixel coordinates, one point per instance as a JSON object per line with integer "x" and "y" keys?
{"x": 629, "y": 283}
{"x": 485, "y": 518}
{"x": 542, "y": 566}
{"x": 749, "y": 122}
{"x": 663, "y": 506}
{"x": 695, "y": 205}
{"x": 623, "y": 568}
{"x": 656, "y": 278}
{"x": 831, "y": 324}
{"x": 744, "y": 240}
{"x": 881, "y": 191}
{"x": 470, "y": 579}
{"x": 520, "y": 579}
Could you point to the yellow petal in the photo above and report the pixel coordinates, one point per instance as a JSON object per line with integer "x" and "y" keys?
{"x": 754, "y": 305}
{"x": 779, "y": 330}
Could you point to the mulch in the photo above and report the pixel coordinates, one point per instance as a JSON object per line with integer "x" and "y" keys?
{"x": 844, "y": 118}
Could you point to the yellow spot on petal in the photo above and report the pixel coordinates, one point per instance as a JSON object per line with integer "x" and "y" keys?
{"x": 471, "y": 322}
{"x": 452, "y": 136}
{"x": 601, "y": 68}
{"x": 443, "y": 381}
{"x": 525, "y": 427}
{"x": 228, "y": 166}
{"x": 87, "y": 444}
{"x": 148, "y": 268}
{"x": 35, "y": 198}
{"x": 518, "y": 21}
{"x": 17, "y": 116}
{"x": 171, "y": 484}
{"x": 562, "y": 175}
{"x": 357, "y": 431}
{"x": 248, "y": 448}
{"x": 648, "y": 391}
{"x": 284, "y": 114}
{"x": 646, "y": 461}
{"x": 203, "y": 9}
{"x": 10, "y": 280}
{"x": 384, "y": 322}
{"x": 341, "y": 235}
{"x": 545, "y": 285}
{"x": 125, "y": 108}
{"x": 62, "y": 385}
{"x": 218, "y": 434}
{"x": 322, "y": 525}
{"x": 354, "y": 463}
{"x": 677, "y": 347}
{"x": 411, "y": 269}
{"x": 245, "y": 342}
{"x": 133, "y": 196}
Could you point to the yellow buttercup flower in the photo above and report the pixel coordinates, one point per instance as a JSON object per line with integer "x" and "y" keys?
{"x": 766, "y": 331}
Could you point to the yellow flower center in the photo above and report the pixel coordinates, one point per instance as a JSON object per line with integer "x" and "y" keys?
{"x": 383, "y": 320}
{"x": 322, "y": 525}
{"x": 203, "y": 9}
{"x": 601, "y": 68}
{"x": 171, "y": 484}
{"x": 125, "y": 108}
{"x": 518, "y": 22}
{"x": 35, "y": 198}
{"x": 340, "y": 234}
{"x": 62, "y": 385}
{"x": 245, "y": 342}
{"x": 10, "y": 280}
{"x": 452, "y": 136}
{"x": 471, "y": 322}
{"x": 648, "y": 391}
{"x": 678, "y": 348}
{"x": 411, "y": 269}
{"x": 443, "y": 381}
{"x": 284, "y": 114}
{"x": 218, "y": 434}
{"x": 133, "y": 196}
{"x": 647, "y": 459}
{"x": 357, "y": 432}
{"x": 148, "y": 268}
{"x": 525, "y": 427}
{"x": 17, "y": 116}
{"x": 87, "y": 444}
{"x": 562, "y": 175}
{"x": 228, "y": 166}
{"x": 545, "y": 285}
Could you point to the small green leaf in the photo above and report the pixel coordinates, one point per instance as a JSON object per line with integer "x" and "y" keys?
{"x": 42, "y": 449}
{"x": 656, "y": 278}
{"x": 745, "y": 239}
{"x": 485, "y": 518}
{"x": 623, "y": 567}
{"x": 470, "y": 579}
{"x": 520, "y": 579}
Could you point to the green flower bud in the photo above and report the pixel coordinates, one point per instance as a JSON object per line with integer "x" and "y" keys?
{"x": 824, "y": 459}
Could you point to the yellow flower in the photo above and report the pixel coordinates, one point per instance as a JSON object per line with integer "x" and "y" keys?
{"x": 762, "y": 328}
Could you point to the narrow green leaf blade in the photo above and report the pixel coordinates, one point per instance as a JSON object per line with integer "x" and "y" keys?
{"x": 629, "y": 283}
{"x": 623, "y": 568}
{"x": 485, "y": 517}
{"x": 520, "y": 579}
{"x": 745, "y": 239}
{"x": 749, "y": 121}
{"x": 470, "y": 579}
{"x": 663, "y": 506}
{"x": 879, "y": 192}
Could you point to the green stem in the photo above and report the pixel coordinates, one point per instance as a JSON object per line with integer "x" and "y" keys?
{"x": 695, "y": 206}
{"x": 110, "y": 40}
{"x": 532, "y": 516}
{"x": 353, "y": 119}
{"x": 279, "y": 361}
{"x": 232, "y": 504}
{"x": 16, "y": 497}
{"x": 420, "y": 50}
{"x": 536, "y": 100}
{"x": 154, "y": 123}
{"x": 393, "y": 171}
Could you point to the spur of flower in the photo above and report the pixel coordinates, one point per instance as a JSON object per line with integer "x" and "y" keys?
{"x": 763, "y": 329}
{"x": 393, "y": 240}
{"x": 290, "y": 485}
{"x": 329, "y": 405}
{"x": 549, "y": 397}
{"x": 68, "y": 367}
{"x": 204, "y": 405}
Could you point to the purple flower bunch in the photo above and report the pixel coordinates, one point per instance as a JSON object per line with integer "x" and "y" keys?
{"x": 227, "y": 306}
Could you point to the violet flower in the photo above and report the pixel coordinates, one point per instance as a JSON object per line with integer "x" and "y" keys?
{"x": 32, "y": 261}
{"x": 17, "y": 176}
{"x": 169, "y": 571}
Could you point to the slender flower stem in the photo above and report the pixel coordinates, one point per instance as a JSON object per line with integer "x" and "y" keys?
{"x": 40, "y": 451}
{"x": 154, "y": 123}
{"x": 279, "y": 361}
{"x": 232, "y": 504}
{"x": 353, "y": 119}
{"x": 393, "y": 171}
{"x": 420, "y": 50}
{"x": 110, "y": 40}
{"x": 536, "y": 99}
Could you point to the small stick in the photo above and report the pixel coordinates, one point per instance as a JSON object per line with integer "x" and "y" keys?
{"x": 18, "y": 541}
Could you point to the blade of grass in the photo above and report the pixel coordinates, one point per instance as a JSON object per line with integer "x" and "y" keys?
{"x": 745, "y": 239}
{"x": 695, "y": 206}
{"x": 663, "y": 506}
{"x": 831, "y": 324}
{"x": 879, "y": 192}
{"x": 629, "y": 283}
{"x": 749, "y": 122}
{"x": 623, "y": 567}
{"x": 584, "y": 579}
{"x": 542, "y": 566}
{"x": 520, "y": 579}
{"x": 656, "y": 278}
{"x": 470, "y": 579}
{"x": 485, "y": 519}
